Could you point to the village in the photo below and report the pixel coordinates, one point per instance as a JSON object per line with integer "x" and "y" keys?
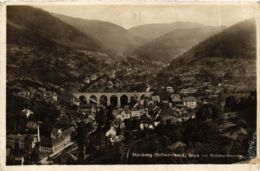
{"x": 99, "y": 120}
{"x": 104, "y": 85}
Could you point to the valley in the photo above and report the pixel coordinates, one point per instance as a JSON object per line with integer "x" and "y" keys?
{"x": 82, "y": 91}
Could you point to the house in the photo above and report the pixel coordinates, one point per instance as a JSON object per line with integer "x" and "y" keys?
{"x": 74, "y": 101}
{"x": 16, "y": 157}
{"x": 27, "y": 113}
{"x": 110, "y": 84}
{"x": 54, "y": 96}
{"x": 190, "y": 102}
{"x": 59, "y": 140}
{"x": 15, "y": 141}
{"x": 69, "y": 99}
{"x": 45, "y": 94}
{"x": 112, "y": 74}
{"x": 50, "y": 95}
{"x": 169, "y": 89}
{"x": 156, "y": 98}
{"x": 176, "y": 98}
{"x": 188, "y": 91}
{"x": 32, "y": 91}
{"x": 22, "y": 141}
{"x": 135, "y": 113}
{"x": 85, "y": 108}
{"x": 86, "y": 80}
{"x": 124, "y": 115}
{"x": 150, "y": 102}
{"x": 23, "y": 92}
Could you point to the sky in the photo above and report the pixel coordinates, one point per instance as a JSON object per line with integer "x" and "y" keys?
{"x": 129, "y": 16}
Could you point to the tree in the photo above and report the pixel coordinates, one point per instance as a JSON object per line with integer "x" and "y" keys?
{"x": 228, "y": 75}
{"x": 231, "y": 103}
{"x": 176, "y": 81}
{"x": 242, "y": 103}
{"x": 207, "y": 111}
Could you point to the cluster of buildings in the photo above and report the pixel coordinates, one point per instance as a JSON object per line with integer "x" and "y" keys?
{"x": 26, "y": 140}
{"x": 36, "y": 146}
{"x": 34, "y": 90}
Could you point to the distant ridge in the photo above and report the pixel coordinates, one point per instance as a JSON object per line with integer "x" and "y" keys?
{"x": 174, "y": 43}
{"x": 237, "y": 41}
{"x": 152, "y": 31}
{"x": 110, "y": 35}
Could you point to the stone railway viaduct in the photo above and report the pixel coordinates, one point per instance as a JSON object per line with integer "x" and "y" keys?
{"x": 112, "y": 97}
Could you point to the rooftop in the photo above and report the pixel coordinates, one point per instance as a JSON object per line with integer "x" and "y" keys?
{"x": 189, "y": 99}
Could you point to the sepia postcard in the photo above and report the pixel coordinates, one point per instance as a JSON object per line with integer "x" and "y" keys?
{"x": 143, "y": 85}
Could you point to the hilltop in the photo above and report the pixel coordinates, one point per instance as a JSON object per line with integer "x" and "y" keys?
{"x": 110, "y": 35}
{"x": 36, "y": 21}
{"x": 150, "y": 32}
{"x": 174, "y": 43}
